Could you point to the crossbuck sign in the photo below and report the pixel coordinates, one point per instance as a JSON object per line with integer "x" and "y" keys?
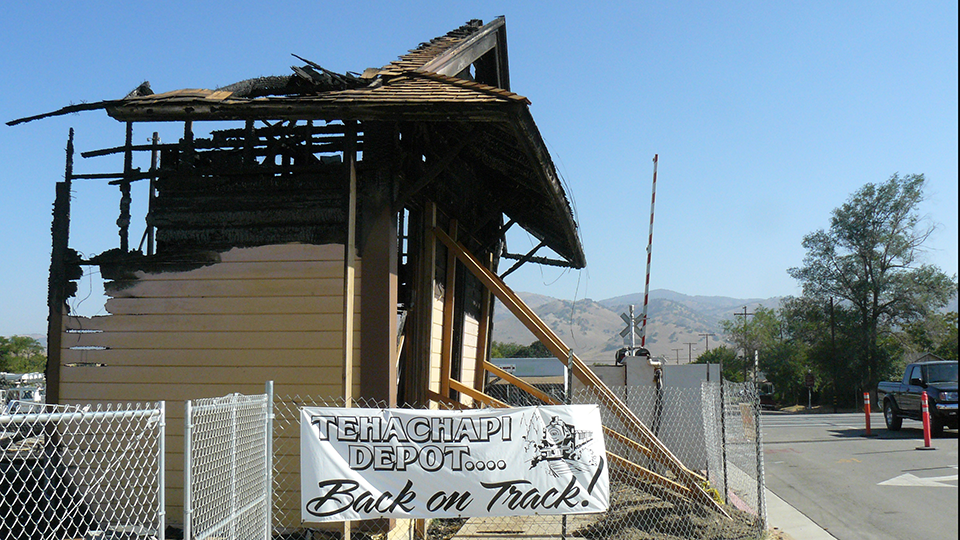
{"x": 408, "y": 463}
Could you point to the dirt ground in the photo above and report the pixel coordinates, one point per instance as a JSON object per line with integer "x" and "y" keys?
{"x": 634, "y": 514}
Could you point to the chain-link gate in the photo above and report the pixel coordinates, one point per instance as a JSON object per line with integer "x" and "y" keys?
{"x": 96, "y": 472}
{"x": 227, "y": 471}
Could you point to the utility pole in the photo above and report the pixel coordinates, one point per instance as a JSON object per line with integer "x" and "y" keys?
{"x": 689, "y": 351}
{"x": 835, "y": 362}
{"x": 678, "y": 354}
{"x": 707, "y": 337}
{"x": 743, "y": 344}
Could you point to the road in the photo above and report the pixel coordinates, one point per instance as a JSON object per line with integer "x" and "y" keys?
{"x": 861, "y": 488}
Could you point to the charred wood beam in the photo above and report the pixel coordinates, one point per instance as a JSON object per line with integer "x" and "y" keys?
{"x": 133, "y": 176}
{"x": 261, "y": 170}
{"x": 539, "y": 260}
{"x": 501, "y": 232}
{"x": 70, "y": 109}
{"x": 324, "y": 144}
{"x": 435, "y": 168}
{"x": 523, "y": 260}
{"x": 249, "y": 133}
{"x": 123, "y": 222}
{"x": 316, "y": 107}
{"x": 57, "y": 284}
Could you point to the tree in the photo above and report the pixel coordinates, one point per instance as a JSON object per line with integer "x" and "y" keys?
{"x": 758, "y": 332}
{"x": 515, "y": 350}
{"x": 936, "y": 333}
{"x": 731, "y": 365}
{"x": 21, "y": 354}
{"x": 869, "y": 260}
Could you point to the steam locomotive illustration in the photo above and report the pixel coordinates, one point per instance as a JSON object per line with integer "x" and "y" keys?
{"x": 561, "y": 441}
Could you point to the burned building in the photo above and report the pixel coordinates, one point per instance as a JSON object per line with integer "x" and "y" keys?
{"x": 306, "y": 229}
{"x": 342, "y": 235}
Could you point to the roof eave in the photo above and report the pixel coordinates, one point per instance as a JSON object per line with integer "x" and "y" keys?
{"x": 534, "y": 146}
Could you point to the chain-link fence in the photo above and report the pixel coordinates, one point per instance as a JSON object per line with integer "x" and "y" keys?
{"x": 734, "y": 444}
{"x": 286, "y": 462}
{"x": 71, "y": 473}
{"x": 95, "y": 472}
{"x": 646, "y": 499}
{"x": 227, "y": 470}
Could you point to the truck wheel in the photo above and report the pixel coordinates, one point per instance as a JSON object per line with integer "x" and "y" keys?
{"x": 890, "y": 417}
{"x": 936, "y": 427}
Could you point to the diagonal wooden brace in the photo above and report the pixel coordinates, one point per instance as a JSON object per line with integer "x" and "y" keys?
{"x": 660, "y": 453}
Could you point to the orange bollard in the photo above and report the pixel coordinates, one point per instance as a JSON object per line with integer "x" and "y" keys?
{"x": 925, "y": 407}
{"x": 866, "y": 411}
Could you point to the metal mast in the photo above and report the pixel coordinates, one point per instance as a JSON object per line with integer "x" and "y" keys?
{"x": 646, "y": 288}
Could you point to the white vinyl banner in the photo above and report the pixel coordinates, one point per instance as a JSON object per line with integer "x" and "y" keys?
{"x": 409, "y": 463}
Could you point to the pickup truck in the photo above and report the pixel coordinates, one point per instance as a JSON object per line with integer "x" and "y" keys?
{"x": 902, "y": 399}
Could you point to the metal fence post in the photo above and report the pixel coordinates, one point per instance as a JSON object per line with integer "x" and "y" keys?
{"x": 723, "y": 436}
{"x": 568, "y": 399}
{"x": 187, "y": 466}
{"x": 269, "y": 532}
{"x": 162, "y": 465}
{"x": 761, "y": 507}
{"x": 233, "y": 464}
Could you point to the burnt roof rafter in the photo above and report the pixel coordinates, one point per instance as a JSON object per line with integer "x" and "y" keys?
{"x": 431, "y": 90}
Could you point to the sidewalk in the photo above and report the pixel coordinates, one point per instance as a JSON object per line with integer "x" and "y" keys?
{"x": 790, "y": 522}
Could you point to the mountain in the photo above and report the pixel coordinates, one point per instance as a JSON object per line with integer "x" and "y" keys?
{"x": 675, "y": 329}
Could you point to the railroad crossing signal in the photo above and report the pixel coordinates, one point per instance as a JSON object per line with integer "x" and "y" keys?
{"x": 633, "y": 323}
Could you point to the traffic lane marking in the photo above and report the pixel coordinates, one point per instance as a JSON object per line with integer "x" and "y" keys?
{"x": 912, "y": 480}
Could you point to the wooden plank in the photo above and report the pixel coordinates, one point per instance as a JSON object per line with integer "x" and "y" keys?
{"x": 349, "y": 264}
{"x": 446, "y": 352}
{"x": 208, "y": 323}
{"x": 626, "y": 441}
{"x": 483, "y": 337}
{"x": 267, "y": 341}
{"x": 478, "y": 396}
{"x": 627, "y": 465}
{"x": 249, "y": 270}
{"x": 228, "y": 288}
{"x": 132, "y": 391}
{"x": 193, "y": 357}
{"x": 468, "y": 355}
{"x": 198, "y": 374}
{"x": 265, "y": 305}
{"x": 661, "y": 453}
{"x": 520, "y": 383}
{"x": 451, "y": 403}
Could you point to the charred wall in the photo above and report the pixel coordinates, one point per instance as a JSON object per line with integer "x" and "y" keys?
{"x": 245, "y": 188}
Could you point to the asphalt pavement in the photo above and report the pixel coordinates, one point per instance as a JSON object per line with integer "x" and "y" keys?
{"x": 826, "y": 479}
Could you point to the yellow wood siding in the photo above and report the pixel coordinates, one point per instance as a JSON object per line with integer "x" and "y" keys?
{"x": 471, "y": 329}
{"x": 266, "y": 313}
{"x": 436, "y": 343}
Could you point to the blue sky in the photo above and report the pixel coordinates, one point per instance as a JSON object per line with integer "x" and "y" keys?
{"x": 766, "y": 116}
